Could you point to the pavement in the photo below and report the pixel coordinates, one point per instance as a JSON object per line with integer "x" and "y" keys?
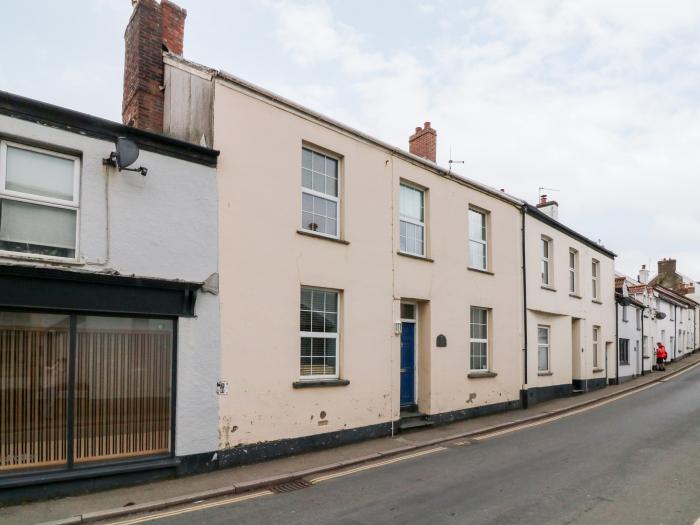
{"x": 615, "y": 443}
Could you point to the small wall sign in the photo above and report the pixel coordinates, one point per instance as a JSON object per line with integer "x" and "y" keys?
{"x": 441, "y": 341}
{"x": 222, "y": 388}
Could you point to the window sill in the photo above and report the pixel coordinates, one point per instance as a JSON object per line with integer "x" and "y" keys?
{"x": 41, "y": 258}
{"x": 325, "y": 238}
{"x": 411, "y": 256}
{"x": 547, "y": 373}
{"x": 598, "y": 370}
{"x": 479, "y": 270}
{"x": 315, "y": 383}
{"x": 575, "y": 296}
{"x": 479, "y": 375}
{"x": 596, "y": 301}
{"x": 548, "y": 288}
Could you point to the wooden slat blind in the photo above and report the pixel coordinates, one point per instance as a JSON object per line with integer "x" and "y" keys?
{"x": 33, "y": 396}
{"x": 123, "y": 393}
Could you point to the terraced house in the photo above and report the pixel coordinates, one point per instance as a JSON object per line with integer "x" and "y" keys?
{"x": 109, "y": 343}
{"x": 364, "y": 288}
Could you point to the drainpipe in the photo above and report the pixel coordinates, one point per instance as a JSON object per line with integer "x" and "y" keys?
{"x": 617, "y": 346}
{"x": 523, "y": 395}
{"x": 641, "y": 352}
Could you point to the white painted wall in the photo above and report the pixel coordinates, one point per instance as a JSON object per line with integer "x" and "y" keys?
{"x": 163, "y": 225}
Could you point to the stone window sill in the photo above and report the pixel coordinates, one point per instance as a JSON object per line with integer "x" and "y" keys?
{"x": 411, "y": 256}
{"x": 598, "y": 370}
{"x": 548, "y": 288}
{"x": 315, "y": 383}
{"x": 596, "y": 301}
{"x": 547, "y": 373}
{"x": 479, "y": 270}
{"x": 317, "y": 236}
{"x": 575, "y": 296}
{"x": 479, "y": 375}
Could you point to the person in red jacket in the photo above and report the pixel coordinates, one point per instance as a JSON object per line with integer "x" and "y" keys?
{"x": 661, "y": 356}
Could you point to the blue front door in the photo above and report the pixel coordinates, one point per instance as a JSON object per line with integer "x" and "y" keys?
{"x": 408, "y": 363}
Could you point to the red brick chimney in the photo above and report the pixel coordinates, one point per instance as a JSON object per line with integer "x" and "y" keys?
{"x": 667, "y": 267}
{"x": 153, "y": 28}
{"x": 423, "y": 142}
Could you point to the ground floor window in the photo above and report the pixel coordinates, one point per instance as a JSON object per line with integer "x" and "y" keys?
{"x": 624, "y": 351}
{"x": 318, "y": 326}
{"x": 75, "y": 389}
{"x": 543, "y": 333}
{"x": 596, "y": 346}
{"x": 479, "y": 342}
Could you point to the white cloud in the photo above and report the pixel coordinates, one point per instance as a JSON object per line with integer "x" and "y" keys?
{"x": 596, "y": 98}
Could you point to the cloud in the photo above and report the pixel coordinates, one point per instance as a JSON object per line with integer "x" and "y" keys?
{"x": 598, "y": 99}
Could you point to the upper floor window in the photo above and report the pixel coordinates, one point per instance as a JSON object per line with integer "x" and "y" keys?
{"x": 318, "y": 327}
{"x": 624, "y": 314}
{"x": 671, "y": 311}
{"x": 639, "y": 319}
{"x": 319, "y": 193}
{"x": 412, "y": 212}
{"x": 573, "y": 271}
{"x": 595, "y": 279}
{"x": 479, "y": 339}
{"x": 546, "y": 266}
{"x": 39, "y": 200}
{"x": 478, "y": 239}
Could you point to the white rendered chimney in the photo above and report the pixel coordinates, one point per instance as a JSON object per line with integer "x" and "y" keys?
{"x": 548, "y": 207}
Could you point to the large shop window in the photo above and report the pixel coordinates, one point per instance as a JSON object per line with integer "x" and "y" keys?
{"x": 121, "y": 389}
{"x": 39, "y": 200}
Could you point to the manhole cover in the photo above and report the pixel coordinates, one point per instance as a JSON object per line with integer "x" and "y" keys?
{"x": 291, "y": 486}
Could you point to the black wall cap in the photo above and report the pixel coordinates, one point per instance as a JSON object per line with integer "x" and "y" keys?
{"x": 76, "y": 122}
{"x": 82, "y": 291}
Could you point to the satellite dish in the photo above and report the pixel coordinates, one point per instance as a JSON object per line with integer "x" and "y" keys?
{"x": 127, "y": 152}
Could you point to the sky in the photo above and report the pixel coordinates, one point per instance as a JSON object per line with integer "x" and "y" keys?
{"x": 597, "y": 99}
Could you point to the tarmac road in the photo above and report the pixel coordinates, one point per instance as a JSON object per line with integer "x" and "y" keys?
{"x": 635, "y": 460}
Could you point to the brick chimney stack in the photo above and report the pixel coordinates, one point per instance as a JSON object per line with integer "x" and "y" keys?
{"x": 423, "y": 142}
{"x": 667, "y": 268}
{"x": 153, "y": 28}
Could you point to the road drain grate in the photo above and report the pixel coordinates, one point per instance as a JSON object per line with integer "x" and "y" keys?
{"x": 291, "y": 486}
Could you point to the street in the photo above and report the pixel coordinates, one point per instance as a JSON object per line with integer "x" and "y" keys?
{"x": 632, "y": 460}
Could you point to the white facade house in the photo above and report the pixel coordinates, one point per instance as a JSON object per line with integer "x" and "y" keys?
{"x": 104, "y": 317}
{"x": 630, "y": 314}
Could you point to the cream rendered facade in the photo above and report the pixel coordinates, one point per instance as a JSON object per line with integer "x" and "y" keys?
{"x": 266, "y": 259}
{"x": 262, "y": 272}
{"x": 570, "y": 317}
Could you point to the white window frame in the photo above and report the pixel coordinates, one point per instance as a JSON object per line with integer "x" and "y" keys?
{"x": 411, "y": 220}
{"x": 322, "y": 335}
{"x": 322, "y": 195}
{"x": 625, "y": 316}
{"x": 595, "y": 279}
{"x": 483, "y": 242}
{"x": 619, "y": 351}
{"x": 479, "y": 340}
{"x": 573, "y": 271}
{"x": 596, "y": 346}
{"x": 51, "y": 202}
{"x": 546, "y": 346}
{"x": 546, "y": 261}
{"x": 638, "y": 317}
